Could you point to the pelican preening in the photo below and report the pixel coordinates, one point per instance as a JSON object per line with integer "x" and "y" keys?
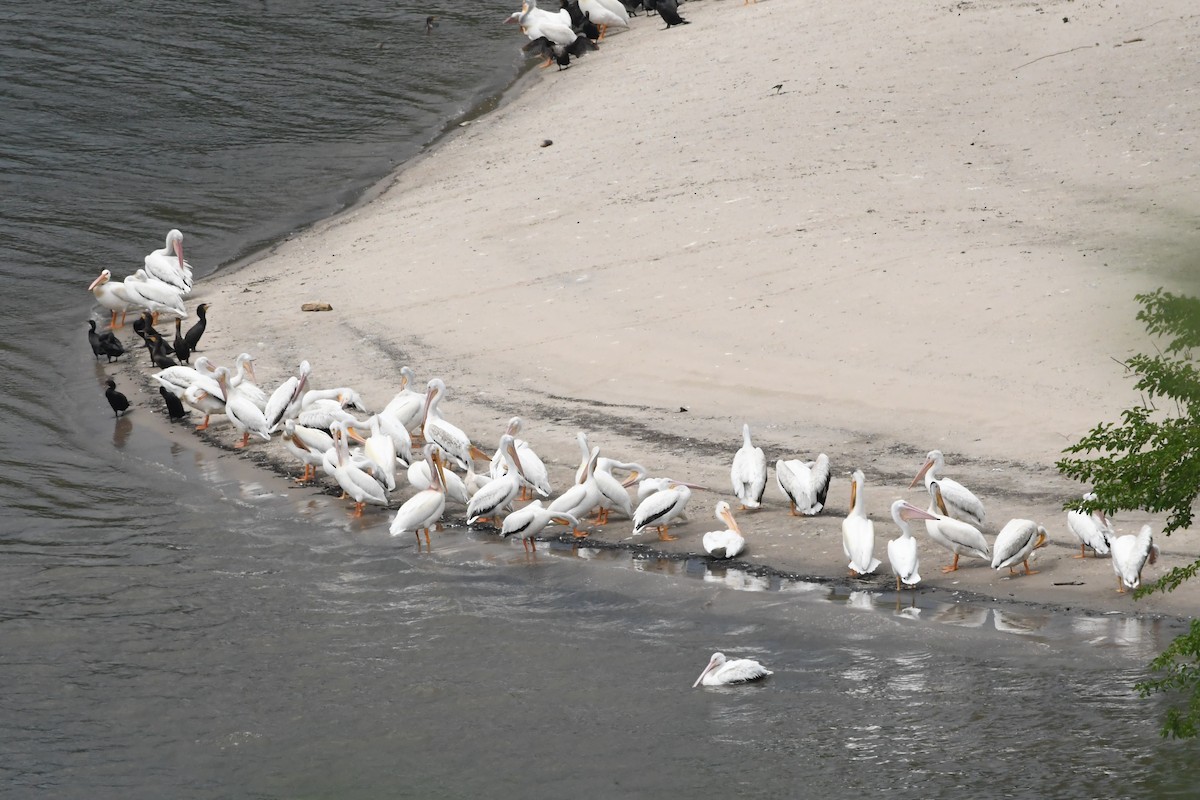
{"x": 1015, "y": 543}
{"x": 723, "y": 672}
{"x": 727, "y": 542}
{"x": 1130, "y": 554}
{"x": 1092, "y": 528}
{"x": 804, "y": 484}
{"x": 960, "y": 538}
{"x": 749, "y": 472}
{"x": 958, "y": 501}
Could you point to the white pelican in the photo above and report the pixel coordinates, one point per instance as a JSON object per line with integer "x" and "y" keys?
{"x": 401, "y": 439}
{"x": 649, "y": 486}
{"x": 498, "y": 494}
{"x": 533, "y": 470}
{"x": 447, "y": 436}
{"x": 420, "y": 478}
{"x": 177, "y": 379}
{"x": 804, "y": 484}
{"x": 580, "y": 499}
{"x": 1092, "y": 529}
{"x": 604, "y": 13}
{"x": 749, "y": 472}
{"x": 721, "y": 672}
{"x": 661, "y": 509}
{"x": 424, "y": 509}
{"x": 381, "y": 450}
{"x": 958, "y": 500}
{"x": 205, "y": 401}
{"x": 960, "y": 538}
{"x": 529, "y": 521}
{"x": 344, "y": 396}
{"x": 613, "y": 494}
{"x": 323, "y": 413}
{"x": 858, "y": 532}
{"x": 241, "y": 411}
{"x": 902, "y": 551}
{"x": 1129, "y": 554}
{"x": 250, "y": 390}
{"x": 1015, "y": 543}
{"x": 167, "y": 264}
{"x": 284, "y": 402}
{"x": 112, "y": 296}
{"x": 307, "y": 444}
{"x": 727, "y": 542}
{"x": 361, "y": 487}
{"x": 407, "y": 406}
{"x": 154, "y": 296}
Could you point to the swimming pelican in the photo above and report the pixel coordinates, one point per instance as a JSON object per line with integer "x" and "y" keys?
{"x": 1093, "y": 529}
{"x": 1015, "y": 543}
{"x": 112, "y": 296}
{"x": 749, "y": 472}
{"x": 661, "y": 509}
{"x": 958, "y": 500}
{"x": 167, "y": 264}
{"x": 361, "y": 487}
{"x": 580, "y": 499}
{"x": 154, "y": 295}
{"x": 241, "y": 410}
{"x": 424, "y": 509}
{"x": 902, "y": 551}
{"x": 500, "y": 492}
{"x": 1129, "y": 554}
{"x": 960, "y": 538}
{"x": 284, "y": 402}
{"x": 308, "y": 445}
{"x": 858, "y": 532}
{"x": 805, "y": 484}
{"x": 722, "y": 672}
{"x": 727, "y": 542}
{"x": 529, "y": 521}
{"x": 453, "y": 442}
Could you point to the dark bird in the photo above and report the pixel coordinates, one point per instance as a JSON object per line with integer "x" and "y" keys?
{"x": 104, "y": 344}
{"x": 632, "y": 6}
{"x": 778, "y": 88}
{"x": 580, "y": 22}
{"x": 430, "y": 24}
{"x": 175, "y": 409}
{"x": 118, "y": 401}
{"x": 144, "y": 327}
{"x": 558, "y": 53}
{"x": 158, "y": 352}
{"x": 196, "y": 331}
{"x": 182, "y": 351}
{"x": 669, "y": 11}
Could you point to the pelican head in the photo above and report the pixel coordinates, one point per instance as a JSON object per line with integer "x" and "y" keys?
{"x": 175, "y": 243}
{"x": 933, "y": 461}
{"x": 717, "y": 660}
{"x": 903, "y": 511}
{"x": 856, "y": 480}
{"x": 101, "y": 279}
{"x": 725, "y": 514}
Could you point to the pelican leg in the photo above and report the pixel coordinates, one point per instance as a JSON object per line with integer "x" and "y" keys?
{"x": 245, "y": 441}
{"x": 1120, "y": 585}
{"x": 578, "y": 534}
{"x": 1029, "y": 571}
{"x": 953, "y": 567}
{"x": 898, "y": 582}
{"x": 417, "y": 536}
{"x": 203, "y": 426}
{"x": 154, "y": 318}
{"x": 358, "y": 510}
{"x": 427, "y": 544}
{"x": 525, "y": 545}
{"x": 1012, "y": 571}
{"x": 603, "y": 30}
{"x": 794, "y": 514}
{"x": 663, "y": 536}
{"x": 549, "y": 61}
{"x": 1082, "y": 551}
{"x": 533, "y": 545}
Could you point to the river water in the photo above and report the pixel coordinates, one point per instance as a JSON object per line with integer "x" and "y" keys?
{"x": 175, "y": 623}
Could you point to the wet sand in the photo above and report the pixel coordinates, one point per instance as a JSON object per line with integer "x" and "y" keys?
{"x": 929, "y": 236}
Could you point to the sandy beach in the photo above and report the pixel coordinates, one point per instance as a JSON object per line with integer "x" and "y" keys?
{"x": 864, "y": 230}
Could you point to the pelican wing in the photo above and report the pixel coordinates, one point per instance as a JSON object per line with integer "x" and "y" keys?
{"x": 740, "y": 670}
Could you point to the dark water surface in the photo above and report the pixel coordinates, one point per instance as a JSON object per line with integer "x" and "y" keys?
{"x": 176, "y": 624}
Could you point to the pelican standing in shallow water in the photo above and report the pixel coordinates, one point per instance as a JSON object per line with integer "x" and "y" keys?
{"x": 241, "y": 411}
{"x": 749, "y": 472}
{"x": 1129, "y": 554}
{"x": 902, "y": 551}
{"x": 528, "y": 522}
{"x": 1015, "y": 543}
{"x": 959, "y": 501}
{"x": 661, "y": 509}
{"x": 424, "y": 509}
{"x": 1092, "y": 528}
{"x": 804, "y": 484}
{"x": 580, "y": 499}
{"x": 723, "y": 672}
{"x": 960, "y": 538}
{"x": 360, "y": 486}
{"x": 858, "y": 532}
{"x": 728, "y": 542}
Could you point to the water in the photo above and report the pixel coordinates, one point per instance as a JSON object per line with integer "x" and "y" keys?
{"x": 176, "y": 624}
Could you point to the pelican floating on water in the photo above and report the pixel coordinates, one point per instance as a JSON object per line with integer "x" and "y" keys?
{"x": 728, "y": 542}
{"x": 959, "y": 501}
{"x": 1129, "y": 554}
{"x": 1015, "y": 543}
{"x": 804, "y": 484}
{"x": 723, "y": 672}
{"x": 749, "y": 472}
{"x": 858, "y": 532}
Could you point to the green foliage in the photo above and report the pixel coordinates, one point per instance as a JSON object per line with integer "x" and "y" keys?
{"x": 1150, "y": 461}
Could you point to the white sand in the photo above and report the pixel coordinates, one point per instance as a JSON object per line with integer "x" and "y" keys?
{"x": 930, "y": 237}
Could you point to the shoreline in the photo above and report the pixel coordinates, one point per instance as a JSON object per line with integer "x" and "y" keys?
{"x": 505, "y": 344}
